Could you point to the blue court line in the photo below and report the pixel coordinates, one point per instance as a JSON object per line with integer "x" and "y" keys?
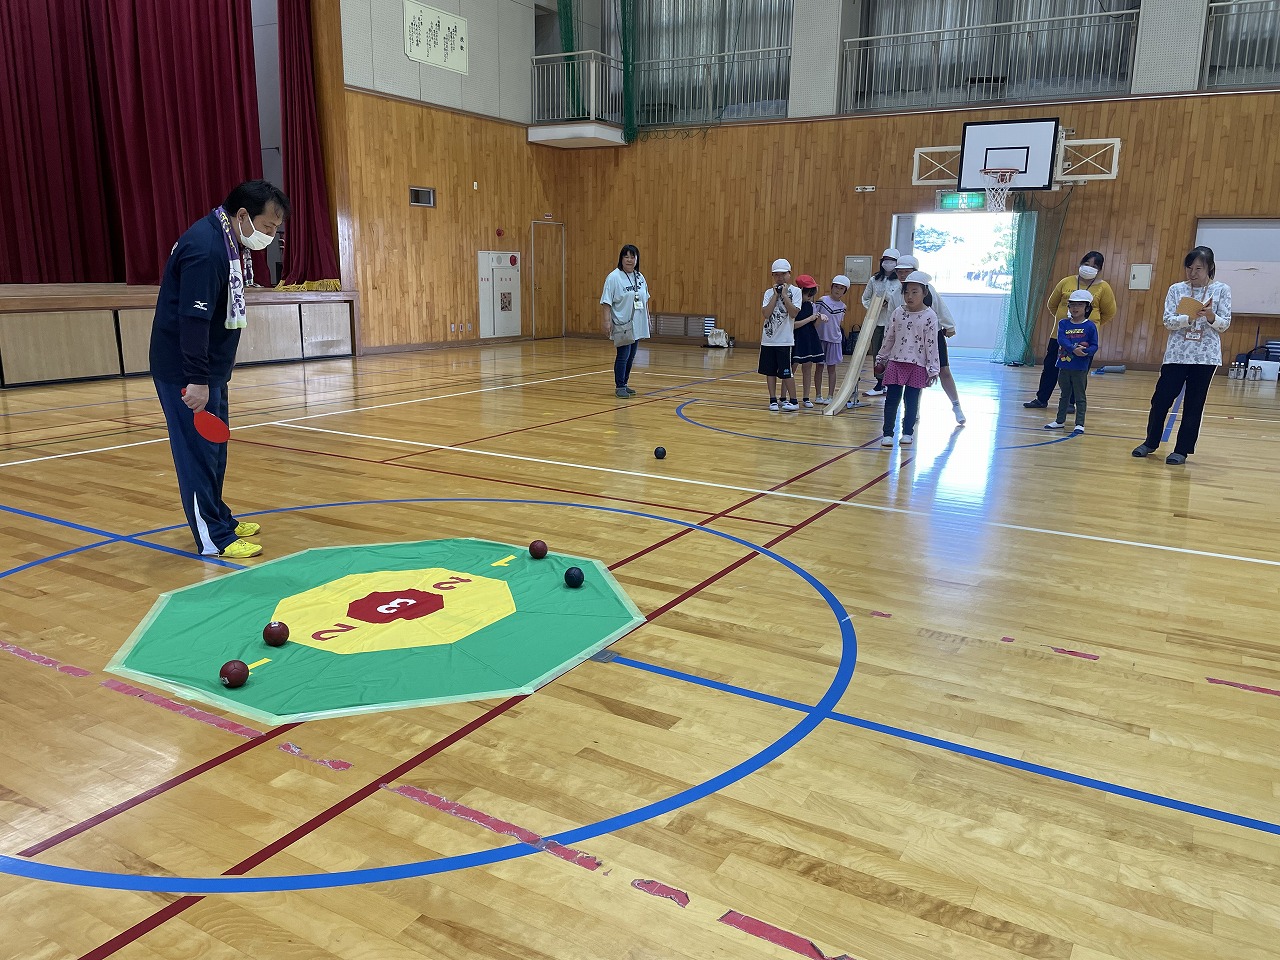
{"x": 814, "y": 716}
{"x": 694, "y": 383}
{"x": 1173, "y": 416}
{"x": 110, "y": 538}
{"x": 1210, "y": 813}
{"x": 751, "y": 436}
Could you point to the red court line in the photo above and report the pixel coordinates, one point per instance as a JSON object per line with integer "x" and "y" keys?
{"x": 155, "y": 791}
{"x": 471, "y": 476}
{"x": 738, "y": 506}
{"x": 123, "y": 939}
{"x": 507, "y": 433}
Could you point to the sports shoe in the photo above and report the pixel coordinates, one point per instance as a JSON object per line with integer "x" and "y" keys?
{"x": 247, "y": 528}
{"x": 774, "y": 406}
{"x": 955, "y": 408}
{"x": 1177, "y": 459}
{"x": 1141, "y": 450}
{"x": 808, "y": 404}
{"x": 906, "y": 439}
{"x": 630, "y": 392}
{"x": 790, "y": 405}
{"x": 1033, "y": 404}
{"x": 241, "y": 550}
{"x": 822, "y": 401}
{"x": 1078, "y": 430}
{"x": 886, "y": 440}
{"x": 1056, "y": 425}
{"x": 875, "y": 392}
{"x": 621, "y": 393}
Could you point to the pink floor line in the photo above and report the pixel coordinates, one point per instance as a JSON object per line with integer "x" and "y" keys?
{"x": 1006, "y": 639}
{"x": 44, "y": 661}
{"x": 294, "y": 750}
{"x": 1244, "y": 686}
{"x": 437, "y": 802}
{"x": 1075, "y": 653}
{"x": 222, "y": 723}
{"x": 877, "y": 613}
{"x": 657, "y": 889}
{"x": 777, "y": 936}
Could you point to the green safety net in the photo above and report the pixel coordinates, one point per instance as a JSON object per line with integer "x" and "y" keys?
{"x": 1037, "y": 234}
{"x": 627, "y": 47}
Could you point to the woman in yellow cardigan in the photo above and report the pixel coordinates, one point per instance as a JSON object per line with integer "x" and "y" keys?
{"x": 1104, "y": 306}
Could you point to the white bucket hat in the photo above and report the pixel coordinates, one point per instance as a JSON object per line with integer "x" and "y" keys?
{"x": 842, "y": 280}
{"x": 780, "y": 266}
{"x": 890, "y": 254}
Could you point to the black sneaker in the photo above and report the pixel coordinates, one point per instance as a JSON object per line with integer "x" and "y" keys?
{"x": 1033, "y": 404}
{"x": 1177, "y": 459}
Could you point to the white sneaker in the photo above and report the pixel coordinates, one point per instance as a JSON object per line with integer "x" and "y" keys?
{"x": 906, "y": 439}
{"x": 774, "y": 406}
{"x": 886, "y": 440}
{"x": 958, "y": 412}
{"x": 822, "y": 401}
{"x": 1079, "y": 429}
{"x": 851, "y": 404}
{"x": 874, "y": 392}
{"x": 808, "y": 404}
{"x": 1056, "y": 425}
{"x": 790, "y": 405}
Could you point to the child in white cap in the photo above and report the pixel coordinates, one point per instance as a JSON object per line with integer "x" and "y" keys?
{"x": 908, "y": 358}
{"x": 1077, "y": 343}
{"x": 781, "y": 304}
{"x": 883, "y": 283}
{"x": 831, "y": 332}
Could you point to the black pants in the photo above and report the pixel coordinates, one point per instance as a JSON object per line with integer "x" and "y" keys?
{"x": 1049, "y": 374}
{"x": 877, "y": 341}
{"x": 896, "y": 393}
{"x": 1194, "y": 377}
{"x": 622, "y": 363}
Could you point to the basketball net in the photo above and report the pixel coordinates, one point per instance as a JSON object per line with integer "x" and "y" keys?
{"x": 998, "y": 181}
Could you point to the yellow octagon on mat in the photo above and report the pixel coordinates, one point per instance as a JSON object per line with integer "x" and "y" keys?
{"x": 394, "y": 610}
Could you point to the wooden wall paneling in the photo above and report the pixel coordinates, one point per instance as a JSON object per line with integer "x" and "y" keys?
{"x": 272, "y": 332}
{"x": 135, "y": 339}
{"x": 58, "y": 346}
{"x": 710, "y": 212}
{"x": 416, "y": 266}
{"x": 326, "y": 329}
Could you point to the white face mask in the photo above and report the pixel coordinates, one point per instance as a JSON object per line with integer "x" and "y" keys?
{"x": 257, "y": 240}
{"x": 1087, "y": 272}
{"x": 888, "y": 265}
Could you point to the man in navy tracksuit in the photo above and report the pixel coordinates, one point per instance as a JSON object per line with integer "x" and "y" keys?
{"x": 199, "y": 315}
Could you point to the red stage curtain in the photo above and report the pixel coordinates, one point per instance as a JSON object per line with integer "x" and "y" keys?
{"x": 55, "y": 214}
{"x": 178, "y": 85}
{"x": 308, "y": 252}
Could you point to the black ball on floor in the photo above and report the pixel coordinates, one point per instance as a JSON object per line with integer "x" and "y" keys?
{"x": 660, "y": 452}
{"x": 574, "y": 577}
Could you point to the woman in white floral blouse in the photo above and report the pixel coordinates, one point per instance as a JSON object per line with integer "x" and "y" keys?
{"x": 1193, "y": 354}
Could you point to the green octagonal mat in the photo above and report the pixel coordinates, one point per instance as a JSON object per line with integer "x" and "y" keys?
{"x": 379, "y": 627}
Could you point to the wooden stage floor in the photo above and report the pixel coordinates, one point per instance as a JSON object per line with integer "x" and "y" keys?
{"x": 988, "y": 697}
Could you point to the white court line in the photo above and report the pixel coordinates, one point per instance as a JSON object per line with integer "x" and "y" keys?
{"x": 80, "y": 453}
{"x": 334, "y": 413}
{"x": 793, "y": 496}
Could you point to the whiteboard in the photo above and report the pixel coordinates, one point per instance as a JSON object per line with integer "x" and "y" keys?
{"x": 1248, "y": 257}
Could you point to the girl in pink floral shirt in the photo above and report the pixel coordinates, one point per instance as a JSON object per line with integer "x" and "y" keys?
{"x": 909, "y": 358}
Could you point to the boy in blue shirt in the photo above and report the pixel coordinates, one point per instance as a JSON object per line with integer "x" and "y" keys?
{"x": 1077, "y": 343}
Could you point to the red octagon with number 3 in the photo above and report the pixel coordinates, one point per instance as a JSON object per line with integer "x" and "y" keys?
{"x": 384, "y": 606}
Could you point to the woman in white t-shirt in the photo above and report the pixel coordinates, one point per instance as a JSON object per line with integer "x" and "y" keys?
{"x": 1197, "y": 312}
{"x": 883, "y": 284}
{"x": 624, "y": 311}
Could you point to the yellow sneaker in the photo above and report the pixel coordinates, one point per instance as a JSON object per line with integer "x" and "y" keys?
{"x": 247, "y": 528}
{"x": 241, "y": 550}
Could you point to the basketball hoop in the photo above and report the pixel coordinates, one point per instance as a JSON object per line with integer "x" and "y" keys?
{"x": 998, "y": 182}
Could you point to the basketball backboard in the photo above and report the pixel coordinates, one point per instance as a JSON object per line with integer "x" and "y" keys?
{"x": 1027, "y": 146}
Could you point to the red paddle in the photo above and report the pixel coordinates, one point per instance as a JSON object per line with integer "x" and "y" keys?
{"x": 210, "y": 427}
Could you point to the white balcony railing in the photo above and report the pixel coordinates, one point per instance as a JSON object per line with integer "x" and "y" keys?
{"x": 695, "y": 90}
{"x": 586, "y": 85}
{"x": 1048, "y": 59}
{"x": 1242, "y": 45}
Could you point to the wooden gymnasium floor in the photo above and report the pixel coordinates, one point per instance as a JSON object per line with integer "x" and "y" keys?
{"x": 1058, "y": 742}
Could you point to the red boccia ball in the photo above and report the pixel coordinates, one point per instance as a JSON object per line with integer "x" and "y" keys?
{"x": 537, "y": 549}
{"x": 275, "y": 633}
{"x": 234, "y": 673}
